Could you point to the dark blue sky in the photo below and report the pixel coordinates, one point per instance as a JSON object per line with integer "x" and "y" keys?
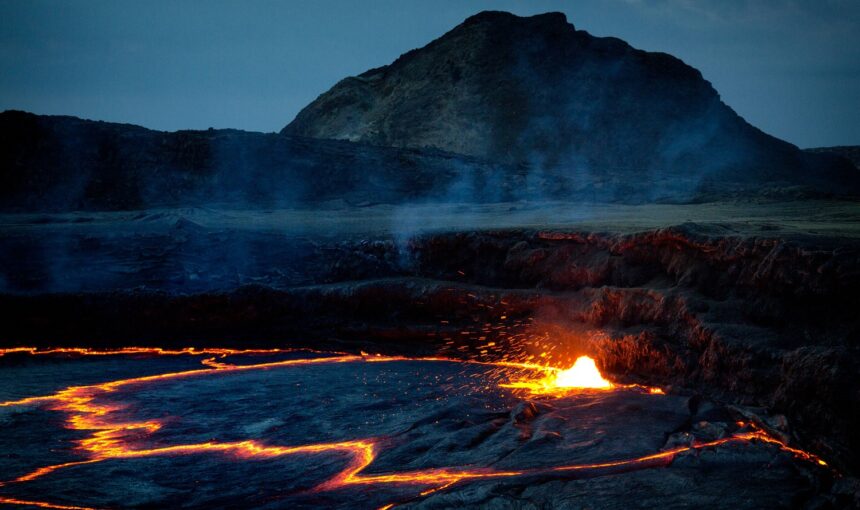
{"x": 791, "y": 68}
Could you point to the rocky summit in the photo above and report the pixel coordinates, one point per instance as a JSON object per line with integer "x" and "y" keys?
{"x": 593, "y": 110}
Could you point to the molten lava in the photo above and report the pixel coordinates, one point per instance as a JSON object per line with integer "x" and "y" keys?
{"x": 583, "y": 375}
{"x": 109, "y": 435}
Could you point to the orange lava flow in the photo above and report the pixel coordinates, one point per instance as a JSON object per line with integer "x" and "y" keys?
{"x": 41, "y": 504}
{"x": 154, "y": 351}
{"x": 110, "y": 437}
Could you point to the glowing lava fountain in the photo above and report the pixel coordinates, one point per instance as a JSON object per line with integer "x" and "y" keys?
{"x": 583, "y": 375}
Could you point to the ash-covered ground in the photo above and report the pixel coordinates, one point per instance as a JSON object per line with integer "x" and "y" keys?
{"x": 203, "y": 249}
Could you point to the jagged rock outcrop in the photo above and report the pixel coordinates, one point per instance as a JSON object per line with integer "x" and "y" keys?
{"x": 577, "y": 108}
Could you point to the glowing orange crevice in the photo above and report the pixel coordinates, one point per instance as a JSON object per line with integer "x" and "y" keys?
{"x": 41, "y": 504}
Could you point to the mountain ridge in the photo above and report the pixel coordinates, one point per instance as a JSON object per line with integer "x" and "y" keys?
{"x": 537, "y": 90}
{"x": 63, "y": 163}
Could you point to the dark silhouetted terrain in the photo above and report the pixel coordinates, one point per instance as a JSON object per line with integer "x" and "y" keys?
{"x": 54, "y": 163}
{"x": 849, "y": 152}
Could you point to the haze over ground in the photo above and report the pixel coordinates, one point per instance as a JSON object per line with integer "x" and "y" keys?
{"x": 791, "y": 68}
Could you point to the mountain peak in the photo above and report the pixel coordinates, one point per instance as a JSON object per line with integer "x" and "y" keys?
{"x": 556, "y": 18}
{"x": 534, "y": 90}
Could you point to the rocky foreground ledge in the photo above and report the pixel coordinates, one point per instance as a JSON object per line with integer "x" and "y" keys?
{"x": 758, "y": 321}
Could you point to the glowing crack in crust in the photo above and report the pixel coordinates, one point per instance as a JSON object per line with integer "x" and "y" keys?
{"x": 108, "y": 437}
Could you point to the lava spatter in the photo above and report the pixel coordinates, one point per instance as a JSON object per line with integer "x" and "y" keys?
{"x": 582, "y": 375}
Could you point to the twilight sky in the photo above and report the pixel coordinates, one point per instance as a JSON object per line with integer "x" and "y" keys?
{"x": 790, "y": 67}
